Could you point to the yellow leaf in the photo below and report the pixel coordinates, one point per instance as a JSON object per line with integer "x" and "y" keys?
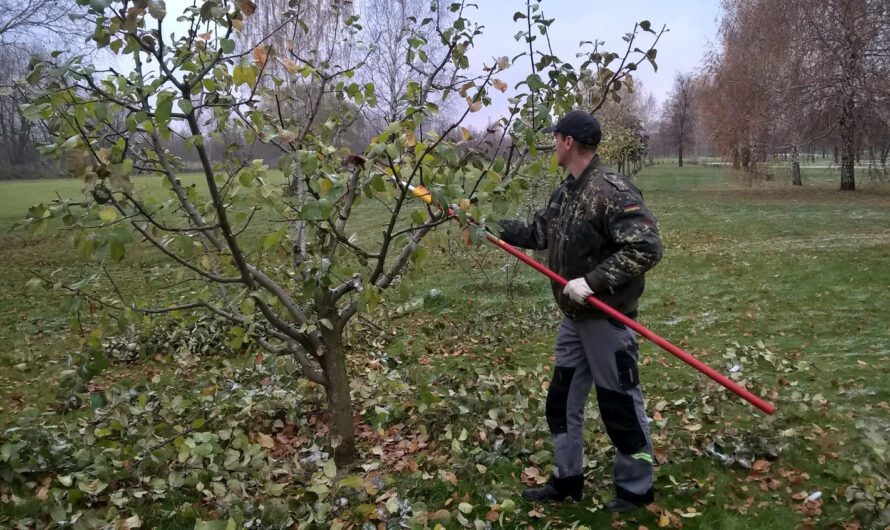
{"x": 260, "y": 55}
{"x": 423, "y": 194}
{"x": 663, "y": 521}
{"x": 475, "y": 106}
{"x": 108, "y": 213}
{"x": 238, "y": 24}
{"x": 265, "y": 440}
{"x": 465, "y": 204}
{"x": 465, "y": 133}
{"x": 504, "y": 62}
{"x": 410, "y": 139}
{"x": 499, "y": 85}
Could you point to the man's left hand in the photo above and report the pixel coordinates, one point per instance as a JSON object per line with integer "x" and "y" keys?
{"x": 578, "y": 290}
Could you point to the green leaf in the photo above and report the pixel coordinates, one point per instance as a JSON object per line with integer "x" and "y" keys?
{"x": 316, "y": 210}
{"x": 116, "y": 250}
{"x": 417, "y": 217}
{"x": 227, "y": 45}
{"x": 186, "y": 246}
{"x": 58, "y": 513}
{"x": 97, "y": 400}
{"x": 164, "y": 108}
{"x": 217, "y": 524}
{"x": 157, "y": 9}
{"x": 352, "y": 481}
{"x": 330, "y": 469}
{"x": 185, "y": 105}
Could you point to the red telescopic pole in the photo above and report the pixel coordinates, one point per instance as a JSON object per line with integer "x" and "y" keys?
{"x": 728, "y": 383}
{"x": 642, "y": 330}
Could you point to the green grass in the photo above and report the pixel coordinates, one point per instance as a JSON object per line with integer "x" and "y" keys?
{"x": 801, "y": 272}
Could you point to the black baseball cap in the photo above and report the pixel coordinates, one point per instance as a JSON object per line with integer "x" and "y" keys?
{"x": 580, "y": 125}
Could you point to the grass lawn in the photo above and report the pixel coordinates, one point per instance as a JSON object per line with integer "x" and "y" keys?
{"x": 786, "y": 288}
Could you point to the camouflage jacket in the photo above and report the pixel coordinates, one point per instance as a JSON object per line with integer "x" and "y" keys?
{"x": 595, "y": 226}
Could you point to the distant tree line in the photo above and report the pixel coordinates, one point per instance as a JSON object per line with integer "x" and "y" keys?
{"x": 791, "y": 78}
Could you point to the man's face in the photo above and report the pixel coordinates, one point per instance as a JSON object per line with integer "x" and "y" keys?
{"x": 563, "y": 147}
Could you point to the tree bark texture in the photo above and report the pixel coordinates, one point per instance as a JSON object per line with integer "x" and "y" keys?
{"x": 340, "y": 418}
{"x": 795, "y": 166}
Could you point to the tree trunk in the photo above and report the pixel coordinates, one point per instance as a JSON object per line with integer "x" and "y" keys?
{"x": 795, "y": 167}
{"x": 848, "y": 141}
{"x": 340, "y": 420}
{"x": 298, "y": 230}
{"x": 680, "y": 155}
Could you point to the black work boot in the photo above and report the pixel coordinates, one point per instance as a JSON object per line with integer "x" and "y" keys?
{"x": 557, "y": 489}
{"x": 628, "y": 501}
{"x": 619, "y": 505}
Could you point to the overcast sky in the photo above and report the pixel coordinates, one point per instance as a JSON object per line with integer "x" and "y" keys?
{"x": 692, "y": 26}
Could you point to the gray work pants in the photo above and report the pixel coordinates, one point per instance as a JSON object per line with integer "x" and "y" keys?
{"x": 601, "y": 353}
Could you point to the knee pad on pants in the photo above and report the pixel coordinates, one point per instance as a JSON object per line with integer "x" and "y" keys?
{"x": 557, "y": 399}
{"x": 620, "y": 418}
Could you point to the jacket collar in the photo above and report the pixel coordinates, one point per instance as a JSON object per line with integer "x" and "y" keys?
{"x": 591, "y": 168}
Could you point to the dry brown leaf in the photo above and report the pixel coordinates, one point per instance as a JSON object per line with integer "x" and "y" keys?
{"x": 499, "y": 85}
{"x": 260, "y": 55}
{"x": 288, "y": 65}
{"x": 247, "y": 7}
{"x": 265, "y": 440}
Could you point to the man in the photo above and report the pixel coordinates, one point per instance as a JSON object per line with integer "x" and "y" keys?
{"x": 600, "y": 235}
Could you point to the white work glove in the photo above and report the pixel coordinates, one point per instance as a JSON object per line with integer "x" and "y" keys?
{"x": 578, "y": 290}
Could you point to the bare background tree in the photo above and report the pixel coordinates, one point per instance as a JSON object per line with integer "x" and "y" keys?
{"x": 28, "y": 29}
{"x": 22, "y": 22}
{"x": 678, "y": 117}
{"x": 801, "y": 78}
